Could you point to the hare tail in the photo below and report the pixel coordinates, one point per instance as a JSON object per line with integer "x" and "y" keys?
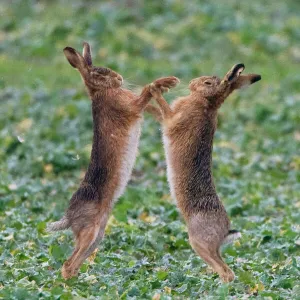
{"x": 232, "y": 236}
{"x": 62, "y": 224}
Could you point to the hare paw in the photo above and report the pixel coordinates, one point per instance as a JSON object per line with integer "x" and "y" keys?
{"x": 227, "y": 276}
{"x": 68, "y": 272}
{"x": 155, "y": 90}
{"x": 165, "y": 83}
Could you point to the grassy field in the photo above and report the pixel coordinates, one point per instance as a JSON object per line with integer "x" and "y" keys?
{"x": 45, "y": 142}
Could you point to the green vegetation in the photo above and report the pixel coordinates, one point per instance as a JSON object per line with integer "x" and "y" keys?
{"x": 45, "y": 139}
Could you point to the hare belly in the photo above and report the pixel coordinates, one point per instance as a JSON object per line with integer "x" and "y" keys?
{"x": 128, "y": 159}
{"x": 170, "y": 171}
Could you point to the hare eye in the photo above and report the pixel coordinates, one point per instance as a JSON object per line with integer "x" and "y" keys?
{"x": 97, "y": 74}
{"x": 103, "y": 71}
{"x": 207, "y": 82}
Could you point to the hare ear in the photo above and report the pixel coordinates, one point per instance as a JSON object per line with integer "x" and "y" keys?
{"x": 245, "y": 80}
{"x": 233, "y": 73}
{"x": 75, "y": 59}
{"x": 87, "y": 53}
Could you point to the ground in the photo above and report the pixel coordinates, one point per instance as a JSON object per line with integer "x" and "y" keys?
{"x": 46, "y": 131}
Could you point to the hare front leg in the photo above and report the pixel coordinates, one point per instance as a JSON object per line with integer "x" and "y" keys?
{"x": 155, "y": 112}
{"x": 162, "y": 84}
{"x": 165, "y": 108}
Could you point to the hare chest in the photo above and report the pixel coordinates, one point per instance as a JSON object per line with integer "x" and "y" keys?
{"x": 128, "y": 157}
{"x": 170, "y": 171}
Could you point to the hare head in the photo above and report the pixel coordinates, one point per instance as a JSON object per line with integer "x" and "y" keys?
{"x": 215, "y": 90}
{"x": 95, "y": 78}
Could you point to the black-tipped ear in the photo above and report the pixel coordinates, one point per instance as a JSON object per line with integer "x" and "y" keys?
{"x": 87, "y": 53}
{"x": 255, "y": 78}
{"x": 245, "y": 80}
{"x": 75, "y": 59}
{"x": 235, "y": 71}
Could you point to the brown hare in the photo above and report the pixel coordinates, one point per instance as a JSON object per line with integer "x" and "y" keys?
{"x": 188, "y": 130}
{"x": 117, "y": 115}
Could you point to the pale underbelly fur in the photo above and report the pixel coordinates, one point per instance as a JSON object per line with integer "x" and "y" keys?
{"x": 170, "y": 172}
{"x": 128, "y": 159}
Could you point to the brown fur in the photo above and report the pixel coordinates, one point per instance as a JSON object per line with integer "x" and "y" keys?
{"x": 116, "y": 116}
{"x": 189, "y": 127}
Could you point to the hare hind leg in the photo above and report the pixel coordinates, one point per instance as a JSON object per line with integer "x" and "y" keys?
{"x": 87, "y": 239}
{"x": 99, "y": 236}
{"x": 210, "y": 254}
{"x": 84, "y": 239}
{"x": 206, "y": 234}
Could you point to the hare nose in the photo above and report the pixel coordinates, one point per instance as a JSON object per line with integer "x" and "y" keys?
{"x": 119, "y": 77}
{"x": 115, "y": 74}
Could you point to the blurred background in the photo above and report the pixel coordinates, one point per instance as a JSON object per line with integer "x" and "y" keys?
{"x": 46, "y": 133}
